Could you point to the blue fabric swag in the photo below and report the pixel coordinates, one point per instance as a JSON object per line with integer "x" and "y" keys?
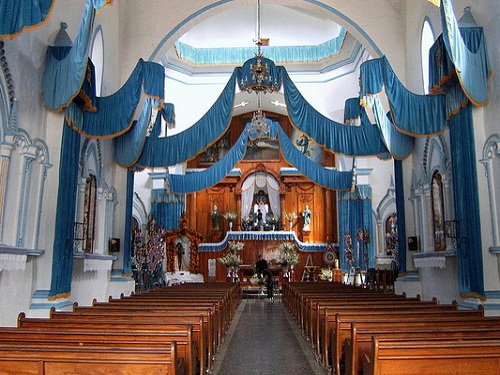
{"x": 17, "y": 16}
{"x": 63, "y": 77}
{"x": 198, "y": 181}
{"x": 364, "y": 140}
{"x": 413, "y": 114}
{"x": 115, "y": 113}
{"x": 165, "y": 151}
{"x": 471, "y": 61}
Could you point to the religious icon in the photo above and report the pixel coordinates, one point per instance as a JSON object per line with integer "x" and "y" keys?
{"x": 180, "y": 253}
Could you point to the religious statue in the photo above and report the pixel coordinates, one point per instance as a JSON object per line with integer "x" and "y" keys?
{"x": 215, "y": 214}
{"x": 180, "y": 253}
{"x": 307, "y": 218}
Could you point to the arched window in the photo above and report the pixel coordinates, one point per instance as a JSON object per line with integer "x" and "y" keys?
{"x": 391, "y": 235}
{"x": 425, "y": 44}
{"x": 438, "y": 219}
{"x": 89, "y": 213}
{"x": 97, "y": 57}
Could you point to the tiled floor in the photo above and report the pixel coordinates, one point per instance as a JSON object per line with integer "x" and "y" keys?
{"x": 263, "y": 340}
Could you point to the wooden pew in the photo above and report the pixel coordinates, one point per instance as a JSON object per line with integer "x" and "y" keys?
{"x": 127, "y": 324}
{"x": 196, "y": 322}
{"x": 461, "y": 357}
{"x": 338, "y": 326}
{"x": 217, "y": 326}
{"x": 200, "y": 317}
{"x": 343, "y": 305}
{"x": 76, "y": 360}
{"x": 360, "y": 341}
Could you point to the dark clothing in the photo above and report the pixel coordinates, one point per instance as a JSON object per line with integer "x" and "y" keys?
{"x": 268, "y": 276}
{"x": 261, "y": 266}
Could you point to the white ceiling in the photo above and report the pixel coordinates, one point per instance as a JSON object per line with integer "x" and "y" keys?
{"x": 284, "y": 26}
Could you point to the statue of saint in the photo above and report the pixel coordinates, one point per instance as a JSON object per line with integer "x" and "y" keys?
{"x": 180, "y": 254}
{"x": 215, "y": 214}
{"x": 307, "y": 218}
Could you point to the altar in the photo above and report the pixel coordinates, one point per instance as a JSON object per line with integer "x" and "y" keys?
{"x": 265, "y": 243}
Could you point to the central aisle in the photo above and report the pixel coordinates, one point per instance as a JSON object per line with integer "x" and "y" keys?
{"x": 263, "y": 340}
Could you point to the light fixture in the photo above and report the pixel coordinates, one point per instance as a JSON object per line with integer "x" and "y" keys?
{"x": 259, "y": 126}
{"x": 261, "y": 80}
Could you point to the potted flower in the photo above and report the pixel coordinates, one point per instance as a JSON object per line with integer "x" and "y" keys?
{"x": 288, "y": 256}
{"x": 273, "y": 220}
{"x": 290, "y": 217}
{"x": 230, "y": 216}
{"x": 326, "y": 274}
{"x": 232, "y": 263}
{"x": 235, "y": 246}
{"x": 247, "y": 222}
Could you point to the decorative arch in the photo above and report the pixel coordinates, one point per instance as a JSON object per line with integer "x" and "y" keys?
{"x": 204, "y": 12}
{"x": 491, "y": 162}
{"x": 172, "y": 237}
{"x": 139, "y": 212}
{"x": 91, "y": 160}
{"x": 248, "y": 187}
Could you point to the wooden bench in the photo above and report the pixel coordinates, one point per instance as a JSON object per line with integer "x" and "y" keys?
{"x": 199, "y": 328}
{"x": 461, "y": 357}
{"x": 76, "y": 360}
{"x": 216, "y": 322}
{"x": 200, "y": 317}
{"x": 360, "y": 341}
{"x": 126, "y": 325}
{"x": 338, "y": 326}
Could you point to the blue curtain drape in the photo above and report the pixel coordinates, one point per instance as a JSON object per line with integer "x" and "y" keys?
{"x": 166, "y": 208}
{"x": 114, "y": 113}
{"x": 364, "y": 140}
{"x": 400, "y": 145}
{"x": 197, "y": 181}
{"x": 162, "y": 152}
{"x": 442, "y": 72}
{"x": 128, "y": 147}
{"x": 412, "y": 114}
{"x": 466, "y": 201}
{"x": 127, "y": 235}
{"x": 62, "y": 258}
{"x": 63, "y": 77}
{"x": 355, "y": 212}
{"x": 400, "y": 211}
{"x": 20, "y": 15}
{"x": 326, "y": 177}
{"x": 470, "y": 61}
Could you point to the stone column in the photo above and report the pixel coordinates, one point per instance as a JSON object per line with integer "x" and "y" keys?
{"x": 5, "y": 152}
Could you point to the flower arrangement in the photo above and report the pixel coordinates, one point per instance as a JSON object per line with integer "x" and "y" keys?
{"x": 288, "y": 256}
{"x": 231, "y": 260}
{"x": 326, "y": 274}
{"x": 257, "y": 280}
{"x": 235, "y": 246}
{"x": 289, "y": 216}
{"x": 247, "y": 222}
{"x": 273, "y": 219}
{"x": 230, "y": 216}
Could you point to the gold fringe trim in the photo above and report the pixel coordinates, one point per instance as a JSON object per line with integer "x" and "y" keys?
{"x": 473, "y": 295}
{"x": 30, "y": 27}
{"x": 57, "y": 296}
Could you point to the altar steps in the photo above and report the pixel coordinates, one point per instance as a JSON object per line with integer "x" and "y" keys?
{"x": 255, "y": 292}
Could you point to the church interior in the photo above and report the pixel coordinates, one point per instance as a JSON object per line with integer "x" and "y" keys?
{"x": 200, "y": 154}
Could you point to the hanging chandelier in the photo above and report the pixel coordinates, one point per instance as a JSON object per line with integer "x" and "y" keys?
{"x": 258, "y": 125}
{"x": 261, "y": 79}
